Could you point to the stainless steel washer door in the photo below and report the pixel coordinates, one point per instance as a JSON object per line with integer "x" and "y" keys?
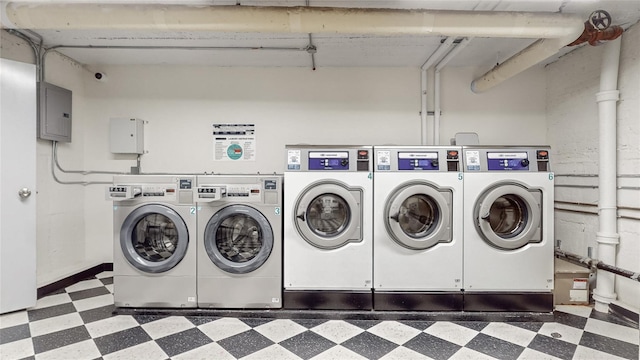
{"x": 238, "y": 239}
{"x": 508, "y": 216}
{"x": 418, "y": 215}
{"x": 154, "y": 238}
{"x": 328, "y": 214}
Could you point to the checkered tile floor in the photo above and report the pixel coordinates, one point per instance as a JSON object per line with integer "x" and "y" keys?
{"x": 77, "y": 323}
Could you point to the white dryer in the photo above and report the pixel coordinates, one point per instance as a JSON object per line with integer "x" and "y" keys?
{"x": 328, "y": 243}
{"x": 154, "y": 222}
{"x": 417, "y": 245}
{"x": 508, "y": 230}
{"x": 239, "y": 241}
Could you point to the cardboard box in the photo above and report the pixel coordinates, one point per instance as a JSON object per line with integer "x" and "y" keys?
{"x": 571, "y": 284}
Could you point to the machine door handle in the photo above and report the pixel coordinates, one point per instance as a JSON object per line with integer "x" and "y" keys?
{"x": 395, "y": 217}
{"x": 485, "y": 217}
{"x": 301, "y": 216}
{"x": 24, "y": 193}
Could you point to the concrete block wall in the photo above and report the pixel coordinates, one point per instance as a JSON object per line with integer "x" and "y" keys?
{"x": 572, "y": 119}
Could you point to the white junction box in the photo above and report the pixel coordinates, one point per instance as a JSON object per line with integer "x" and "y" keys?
{"x": 126, "y": 135}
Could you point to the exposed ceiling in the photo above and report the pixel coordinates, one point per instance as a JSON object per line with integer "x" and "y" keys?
{"x": 333, "y": 50}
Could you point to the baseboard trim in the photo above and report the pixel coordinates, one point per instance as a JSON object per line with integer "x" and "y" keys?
{"x": 624, "y": 312}
{"x": 72, "y": 279}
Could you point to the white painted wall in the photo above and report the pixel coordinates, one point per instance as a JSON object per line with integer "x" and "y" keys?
{"x": 572, "y": 115}
{"x": 512, "y": 113}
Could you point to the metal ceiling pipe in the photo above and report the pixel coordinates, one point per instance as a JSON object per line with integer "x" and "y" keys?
{"x": 290, "y": 20}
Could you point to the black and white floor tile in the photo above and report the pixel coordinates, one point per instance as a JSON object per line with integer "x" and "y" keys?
{"x": 78, "y": 323}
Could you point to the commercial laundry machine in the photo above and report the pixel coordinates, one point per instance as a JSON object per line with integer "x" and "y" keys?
{"x": 154, "y": 222}
{"x": 508, "y": 229}
{"x": 417, "y": 246}
{"x": 239, "y": 241}
{"x": 328, "y": 243}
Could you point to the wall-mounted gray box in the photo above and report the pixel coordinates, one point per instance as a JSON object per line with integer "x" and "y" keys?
{"x": 126, "y": 135}
{"x": 55, "y": 113}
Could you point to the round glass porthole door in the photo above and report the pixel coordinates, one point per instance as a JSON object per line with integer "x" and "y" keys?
{"x": 238, "y": 239}
{"x": 508, "y": 216}
{"x": 154, "y": 238}
{"x": 418, "y": 216}
{"x": 328, "y": 215}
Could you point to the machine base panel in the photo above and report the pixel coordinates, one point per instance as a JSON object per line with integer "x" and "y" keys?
{"x": 508, "y": 301}
{"x": 327, "y": 300}
{"x": 418, "y": 301}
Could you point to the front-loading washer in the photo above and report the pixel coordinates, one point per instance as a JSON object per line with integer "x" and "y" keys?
{"x": 328, "y": 243}
{"x": 239, "y": 241}
{"x": 508, "y": 228}
{"x": 417, "y": 246}
{"x": 154, "y": 222}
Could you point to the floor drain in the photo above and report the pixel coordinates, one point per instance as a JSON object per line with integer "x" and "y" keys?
{"x": 556, "y": 335}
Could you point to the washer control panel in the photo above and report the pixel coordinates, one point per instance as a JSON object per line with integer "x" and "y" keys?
{"x": 418, "y": 161}
{"x": 329, "y": 158}
{"x": 324, "y": 160}
{"x": 418, "y": 158}
{"x": 534, "y": 159}
{"x": 229, "y": 192}
{"x": 123, "y": 192}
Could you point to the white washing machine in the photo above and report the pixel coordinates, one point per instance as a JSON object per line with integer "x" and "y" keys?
{"x": 508, "y": 229}
{"x": 239, "y": 241}
{"x": 328, "y": 243}
{"x": 154, "y": 222}
{"x": 417, "y": 247}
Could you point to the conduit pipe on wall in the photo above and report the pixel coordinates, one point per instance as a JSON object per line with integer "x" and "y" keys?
{"x": 439, "y": 67}
{"x": 424, "y": 84}
{"x": 607, "y": 237}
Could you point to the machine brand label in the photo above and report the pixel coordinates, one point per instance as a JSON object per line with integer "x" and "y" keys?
{"x": 511, "y": 155}
{"x": 417, "y": 155}
{"x": 323, "y": 155}
{"x": 191, "y": 299}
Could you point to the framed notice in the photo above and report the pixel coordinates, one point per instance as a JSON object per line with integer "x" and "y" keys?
{"x": 234, "y": 142}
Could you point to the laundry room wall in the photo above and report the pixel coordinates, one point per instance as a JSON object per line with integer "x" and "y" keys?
{"x": 60, "y": 210}
{"x": 572, "y": 84}
{"x": 288, "y": 106}
{"x": 512, "y": 113}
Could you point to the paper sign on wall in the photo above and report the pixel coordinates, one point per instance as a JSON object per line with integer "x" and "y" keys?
{"x": 234, "y": 142}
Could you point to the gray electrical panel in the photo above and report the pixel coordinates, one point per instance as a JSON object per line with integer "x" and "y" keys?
{"x": 55, "y": 113}
{"x": 126, "y": 135}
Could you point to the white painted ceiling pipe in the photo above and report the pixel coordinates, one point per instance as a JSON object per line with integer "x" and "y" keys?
{"x": 290, "y": 20}
{"x": 555, "y": 30}
{"x": 530, "y": 56}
